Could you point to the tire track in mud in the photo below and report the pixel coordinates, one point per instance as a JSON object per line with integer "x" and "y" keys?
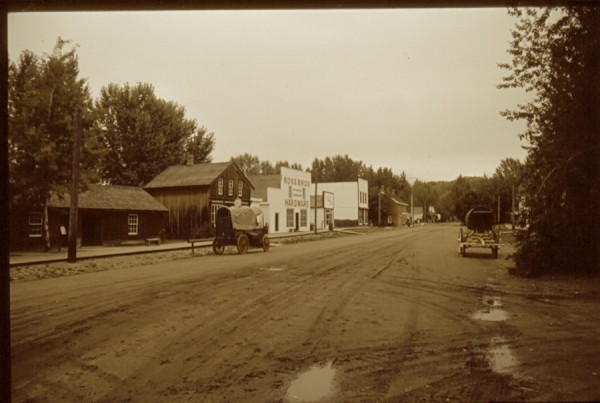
{"x": 229, "y": 317}
{"x": 407, "y": 356}
{"x": 278, "y": 306}
{"x": 245, "y": 334}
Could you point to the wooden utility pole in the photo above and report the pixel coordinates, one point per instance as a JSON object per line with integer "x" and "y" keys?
{"x": 316, "y": 204}
{"x": 412, "y": 209}
{"x": 498, "y": 219}
{"x": 513, "y": 206}
{"x": 381, "y": 190}
{"x": 73, "y": 211}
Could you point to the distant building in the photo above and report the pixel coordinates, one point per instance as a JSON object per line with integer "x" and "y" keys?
{"x": 418, "y": 213}
{"x": 343, "y": 204}
{"x": 400, "y": 212}
{"x": 194, "y": 192}
{"x": 106, "y": 215}
{"x": 284, "y": 199}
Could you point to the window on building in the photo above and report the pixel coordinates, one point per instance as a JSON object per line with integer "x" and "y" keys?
{"x": 213, "y": 213}
{"x": 35, "y": 224}
{"x": 230, "y": 187}
{"x": 290, "y": 217}
{"x": 240, "y": 189}
{"x": 329, "y": 216}
{"x": 290, "y": 192}
{"x": 303, "y": 193}
{"x": 220, "y": 189}
{"x": 304, "y": 218}
{"x": 132, "y": 222}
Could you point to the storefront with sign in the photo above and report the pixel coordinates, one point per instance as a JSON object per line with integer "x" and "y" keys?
{"x": 343, "y": 204}
{"x": 284, "y": 199}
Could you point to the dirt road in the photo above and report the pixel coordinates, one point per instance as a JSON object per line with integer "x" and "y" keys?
{"x": 392, "y": 316}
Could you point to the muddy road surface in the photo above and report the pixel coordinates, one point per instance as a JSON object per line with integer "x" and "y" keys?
{"x": 396, "y": 315}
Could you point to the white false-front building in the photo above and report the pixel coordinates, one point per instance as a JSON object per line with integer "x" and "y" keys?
{"x": 284, "y": 199}
{"x": 341, "y": 204}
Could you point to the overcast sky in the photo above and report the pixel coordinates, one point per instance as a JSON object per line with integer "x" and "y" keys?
{"x": 412, "y": 90}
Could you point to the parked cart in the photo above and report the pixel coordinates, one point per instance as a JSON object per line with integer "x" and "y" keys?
{"x": 480, "y": 232}
{"x": 240, "y": 226}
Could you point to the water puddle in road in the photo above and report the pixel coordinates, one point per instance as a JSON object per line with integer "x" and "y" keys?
{"x": 312, "y": 385}
{"x": 492, "y": 301}
{"x": 501, "y": 358}
{"x": 491, "y": 314}
{"x": 275, "y": 269}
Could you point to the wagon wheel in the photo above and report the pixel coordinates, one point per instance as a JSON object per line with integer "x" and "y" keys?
{"x": 218, "y": 248}
{"x": 266, "y": 243}
{"x": 461, "y": 235}
{"x": 242, "y": 243}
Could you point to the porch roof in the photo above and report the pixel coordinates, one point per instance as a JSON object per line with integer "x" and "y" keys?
{"x": 111, "y": 197}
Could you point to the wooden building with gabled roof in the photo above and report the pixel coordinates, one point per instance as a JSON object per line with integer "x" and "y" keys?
{"x": 107, "y": 215}
{"x": 194, "y": 192}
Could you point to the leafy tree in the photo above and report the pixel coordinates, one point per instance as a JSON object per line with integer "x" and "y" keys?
{"x": 266, "y": 168}
{"x": 507, "y": 180}
{"x": 144, "y": 134}
{"x": 286, "y": 164}
{"x": 252, "y": 165}
{"x": 555, "y": 57}
{"x": 43, "y": 95}
{"x": 248, "y": 163}
{"x": 200, "y": 145}
{"x": 469, "y": 192}
{"x": 340, "y": 168}
{"x": 424, "y": 195}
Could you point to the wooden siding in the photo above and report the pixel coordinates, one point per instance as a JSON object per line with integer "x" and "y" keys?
{"x": 115, "y": 228}
{"x": 230, "y": 173}
{"x": 188, "y": 208}
{"x": 95, "y": 227}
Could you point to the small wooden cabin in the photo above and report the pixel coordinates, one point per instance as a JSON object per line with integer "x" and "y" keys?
{"x": 194, "y": 192}
{"x": 107, "y": 215}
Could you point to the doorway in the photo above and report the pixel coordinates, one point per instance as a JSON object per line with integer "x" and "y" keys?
{"x": 91, "y": 230}
{"x": 276, "y": 222}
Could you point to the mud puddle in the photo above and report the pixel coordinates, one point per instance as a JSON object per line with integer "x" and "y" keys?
{"x": 313, "y": 385}
{"x": 493, "y": 312}
{"x": 501, "y": 358}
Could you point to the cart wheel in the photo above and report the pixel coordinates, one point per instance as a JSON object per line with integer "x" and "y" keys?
{"x": 495, "y": 252}
{"x": 266, "y": 243}
{"x": 217, "y": 247}
{"x": 242, "y": 243}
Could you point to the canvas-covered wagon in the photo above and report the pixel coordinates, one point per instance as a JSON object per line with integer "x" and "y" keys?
{"x": 480, "y": 232}
{"x": 240, "y": 226}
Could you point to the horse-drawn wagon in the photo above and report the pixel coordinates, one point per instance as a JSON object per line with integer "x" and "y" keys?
{"x": 240, "y": 226}
{"x": 480, "y": 232}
